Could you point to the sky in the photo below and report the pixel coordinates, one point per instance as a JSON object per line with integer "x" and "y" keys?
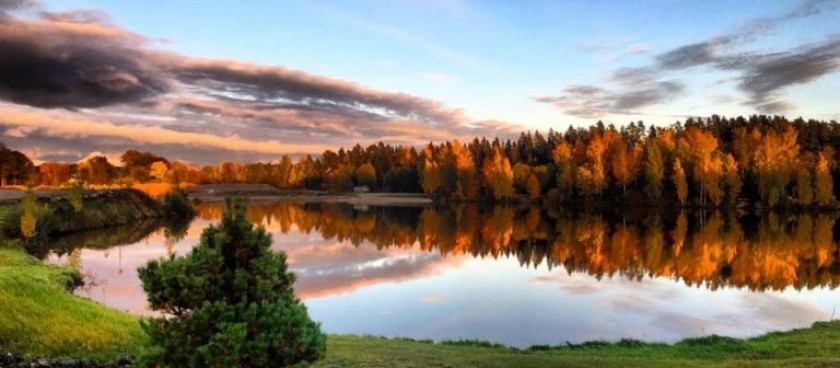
{"x": 206, "y": 81}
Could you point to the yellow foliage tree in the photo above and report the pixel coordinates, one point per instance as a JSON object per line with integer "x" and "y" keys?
{"x": 624, "y": 164}
{"x": 680, "y": 182}
{"x": 804, "y": 186}
{"x": 467, "y": 184}
{"x": 430, "y": 174}
{"x": 654, "y": 170}
{"x": 562, "y": 156}
{"x": 774, "y": 160}
{"x": 699, "y": 147}
{"x": 29, "y": 220}
{"x": 498, "y": 174}
{"x": 824, "y": 185}
{"x": 366, "y": 175}
{"x": 160, "y": 171}
{"x": 731, "y": 178}
{"x": 532, "y": 186}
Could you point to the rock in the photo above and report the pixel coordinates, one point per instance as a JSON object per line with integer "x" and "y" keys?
{"x": 66, "y": 363}
{"x": 40, "y": 363}
{"x": 125, "y": 361}
{"x": 10, "y": 359}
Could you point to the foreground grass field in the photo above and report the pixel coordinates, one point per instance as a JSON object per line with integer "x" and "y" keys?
{"x": 39, "y": 318}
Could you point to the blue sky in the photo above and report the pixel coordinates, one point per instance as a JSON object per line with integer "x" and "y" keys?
{"x": 512, "y": 65}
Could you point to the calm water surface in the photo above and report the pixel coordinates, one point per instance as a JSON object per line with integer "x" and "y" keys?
{"x": 514, "y": 276}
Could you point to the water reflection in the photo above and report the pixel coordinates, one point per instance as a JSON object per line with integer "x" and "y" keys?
{"x": 519, "y": 276}
{"x": 98, "y": 239}
{"x": 773, "y": 251}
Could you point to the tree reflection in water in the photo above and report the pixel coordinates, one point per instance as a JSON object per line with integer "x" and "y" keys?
{"x": 712, "y": 249}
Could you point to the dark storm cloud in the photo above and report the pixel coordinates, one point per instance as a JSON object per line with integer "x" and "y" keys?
{"x": 68, "y": 64}
{"x": 75, "y": 59}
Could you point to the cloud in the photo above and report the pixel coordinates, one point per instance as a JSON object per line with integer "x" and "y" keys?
{"x": 638, "y": 48}
{"x": 441, "y": 78}
{"x": 810, "y": 8}
{"x": 332, "y": 269}
{"x": 59, "y": 61}
{"x": 84, "y": 69}
{"x": 434, "y": 298}
{"x": 17, "y": 5}
{"x": 763, "y": 76}
{"x": 75, "y": 128}
{"x": 692, "y": 55}
{"x": 441, "y": 51}
{"x": 593, "y": 102}
{"x": 764, "y": 80}
{"x": 633, "y": 76}
{"x": 714, "y": 49}
{"x": 232, "y": 80}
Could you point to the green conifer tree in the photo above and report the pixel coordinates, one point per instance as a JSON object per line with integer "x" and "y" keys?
{"x": 229, "y": 303}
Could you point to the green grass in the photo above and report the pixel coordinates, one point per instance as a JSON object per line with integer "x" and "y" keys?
{"x": 38, "y": 317}
{"x": 818, "y": 346}
{"x": 7, "y": 210}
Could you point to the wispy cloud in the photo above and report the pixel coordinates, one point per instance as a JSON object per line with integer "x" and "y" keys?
{"x": 763, "y": 76}
{"x": 593, "y": 102}
{"x": 441, "y": 78}
{"x": 13, "y": 5}
{"x": 443, "y": 52}
{"x": 638, "y": 48}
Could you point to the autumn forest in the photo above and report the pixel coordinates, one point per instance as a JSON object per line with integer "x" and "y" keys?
{"x": 711, "y": 162}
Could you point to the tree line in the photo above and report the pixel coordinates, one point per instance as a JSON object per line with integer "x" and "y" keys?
{"x": 715, "y": 161}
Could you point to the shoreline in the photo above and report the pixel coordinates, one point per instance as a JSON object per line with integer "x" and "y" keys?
{"x": 360, "y": 199}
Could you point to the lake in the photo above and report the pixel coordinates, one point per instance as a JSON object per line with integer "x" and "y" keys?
{"x": 518, "y": 276}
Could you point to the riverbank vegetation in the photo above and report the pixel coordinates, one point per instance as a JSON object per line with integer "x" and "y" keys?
{"x": 36, "y": 221}
{"x": 767, "y": 161}
{"x": 39, "y": 318}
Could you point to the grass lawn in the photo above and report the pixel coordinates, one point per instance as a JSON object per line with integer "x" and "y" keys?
{"x": 39, "y": 318}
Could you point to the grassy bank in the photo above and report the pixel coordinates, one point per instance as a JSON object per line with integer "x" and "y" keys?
{"x": 817, "y": 346}
{"x": 38, "y": 317}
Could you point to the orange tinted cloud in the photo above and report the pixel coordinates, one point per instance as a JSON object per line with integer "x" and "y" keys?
{"x": 55, "y": 123}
